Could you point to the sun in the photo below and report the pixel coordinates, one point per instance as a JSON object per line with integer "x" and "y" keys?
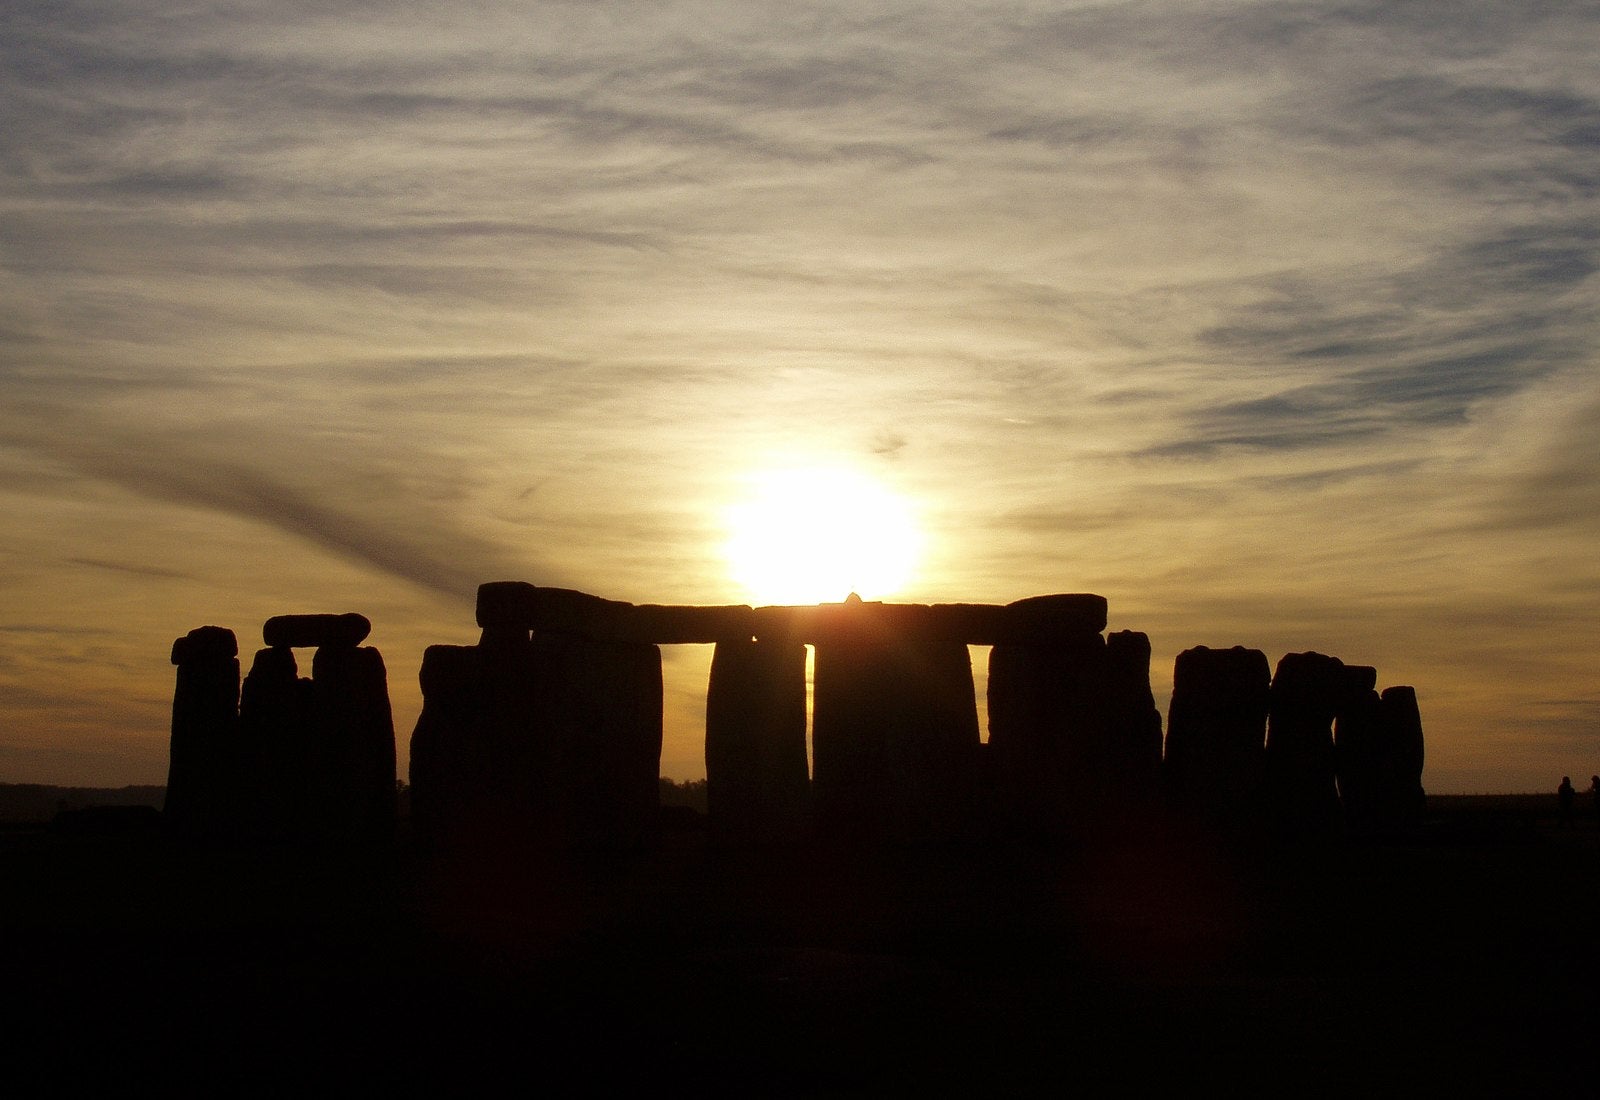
{"x": 812, "y": 534}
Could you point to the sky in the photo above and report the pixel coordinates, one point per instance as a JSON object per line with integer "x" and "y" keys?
{"x": 1274, "y": 323}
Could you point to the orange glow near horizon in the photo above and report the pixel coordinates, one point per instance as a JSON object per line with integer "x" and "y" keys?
{"x": 809, "y": 534}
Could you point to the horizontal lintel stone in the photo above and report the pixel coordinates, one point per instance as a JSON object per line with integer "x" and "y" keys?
{"x": 1039, "y": 620}
{"x": 316, "y": 630}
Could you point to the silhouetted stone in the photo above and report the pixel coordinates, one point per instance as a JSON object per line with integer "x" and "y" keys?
{"x": 549, "y": 610}
{"x": 1402, "y": 799}
{"x": 757, "y": 787}
{"x": 205, "y": 642}
{"x": 450, "y": 764}
{"x": 658, "y": 624}
{"x": 356, "y": 735}
{"x": 1216, "y": 732}
{"x": 1044, "y": 714}
{"x": 1133, "y": 756}
{"x": 277, "y": 729}
{"x": 504, "y": 637}
{"x": 1038, "y": 620}
{"x": 347, "y": 630}
{"x": 202, "y": 767}
{"x": 1307, "y": 691}
{"x": 894, "y": 734}
{"x": 599, "y": 709}
{"x": 565, "y": 611}
{"x": 1358, "y": 747}
{"x": 548, "y": 741}
{"x": 1074, "y": 733}
{"x": 1360, "y": 678}
{"x": 1046, "y": 620}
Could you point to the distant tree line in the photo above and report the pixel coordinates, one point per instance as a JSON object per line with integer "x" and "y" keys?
{"x": 690, "y": 793}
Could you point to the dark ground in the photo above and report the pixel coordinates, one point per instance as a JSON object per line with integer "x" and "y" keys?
{"x": 1465, "y": 961}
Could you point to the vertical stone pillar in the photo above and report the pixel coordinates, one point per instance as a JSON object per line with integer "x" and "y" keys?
{"x": 356, "y": 727}
{"x": 757, "y": 786}
{"x": 445, "y": 752}
{"x": 276, "y": 726}
{"x": 510, "y": 750}
{"x": 1402, "y": 795}
{"x": 1358, "y": 751}
{"x": 894, "y": 731}
{"x": 598, "y": 713}
{"x": 1216, "y": 732}
{"x": 1306, "y": 692}
{"x": 1048, "y": 733}
{"x": 1133, "y": 724}
{"x": 202, "y": 769}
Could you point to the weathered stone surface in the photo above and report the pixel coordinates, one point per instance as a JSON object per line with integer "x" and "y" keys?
{"x": 1046, "y": 620}
{"x": 1216, "y": 733}
{"x": 1358, "y": 749}
{"x": 356, "y": 731}
{"x": 894, "y": 737}
{"x": 1039, "y": 620}
{"x": 277, "y": 728}
{"x": 316, "y": 630}
{"x": 757, "y": 786}
{"x": 660, "y": 624}
{"x": 1042, "y": 714}
{"x": 1402, "y": 798}
{"x": 506, "y": 603}
{"x": 599, "y": 708}
{"x": 830, "y": 623}
{"x": 504, "y": 637}
{"x": 205, "y": 642}
{"x": 1074, "y": 734}
{"x": 1307, "y": 691}
{"x": 549, "y": 610}
{"x": 555, "y": 741}
{"x": 203, "y": 766}
{"x": 1133, "y": 724}
{"x": 451, "y": 770}
{"x": 482, "y": 766}
{"x": 1360, "y": 678}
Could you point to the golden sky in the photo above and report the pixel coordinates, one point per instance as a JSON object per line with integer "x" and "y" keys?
{"x": 1274, "y": 323}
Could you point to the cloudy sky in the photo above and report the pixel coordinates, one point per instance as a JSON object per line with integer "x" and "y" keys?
{"x": 1274, "y": 323}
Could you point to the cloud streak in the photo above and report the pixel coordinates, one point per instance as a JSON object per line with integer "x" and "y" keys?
{"x": 1136, "y": 294}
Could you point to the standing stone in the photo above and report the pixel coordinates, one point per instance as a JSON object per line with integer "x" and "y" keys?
{"x": 510, "y": 755}
{"x": 1307, "y": 690}
{"x": 1402, "y": 796}
{"x": 1048, "y": 735}
{"x": 202, "y": 769}
{"x": 447, "y": 760}
{"x": 277, "y": 728}
{"x": 894, "y": 734}
{"x": 757, "y": 787}
{"x": 1358, "y": 748}
{"x": 1133, "y": 724}
{"x": 597, "y": 720}
{"x": 356, "y": 730}
{"x": 1216, "y": 730}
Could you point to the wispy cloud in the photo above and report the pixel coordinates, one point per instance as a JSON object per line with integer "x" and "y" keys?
{"x": 1143, "y": 292}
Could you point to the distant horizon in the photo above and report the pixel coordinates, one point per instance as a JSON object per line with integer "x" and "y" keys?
{"x": 685, "y": 669}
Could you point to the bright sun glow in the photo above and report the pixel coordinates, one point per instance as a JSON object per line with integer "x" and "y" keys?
{"x": 817, "y": 534}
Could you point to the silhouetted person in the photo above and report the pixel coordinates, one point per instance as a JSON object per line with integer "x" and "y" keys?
{"x": 1594, "y": 795}
{"x": 1565, "y": 794}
